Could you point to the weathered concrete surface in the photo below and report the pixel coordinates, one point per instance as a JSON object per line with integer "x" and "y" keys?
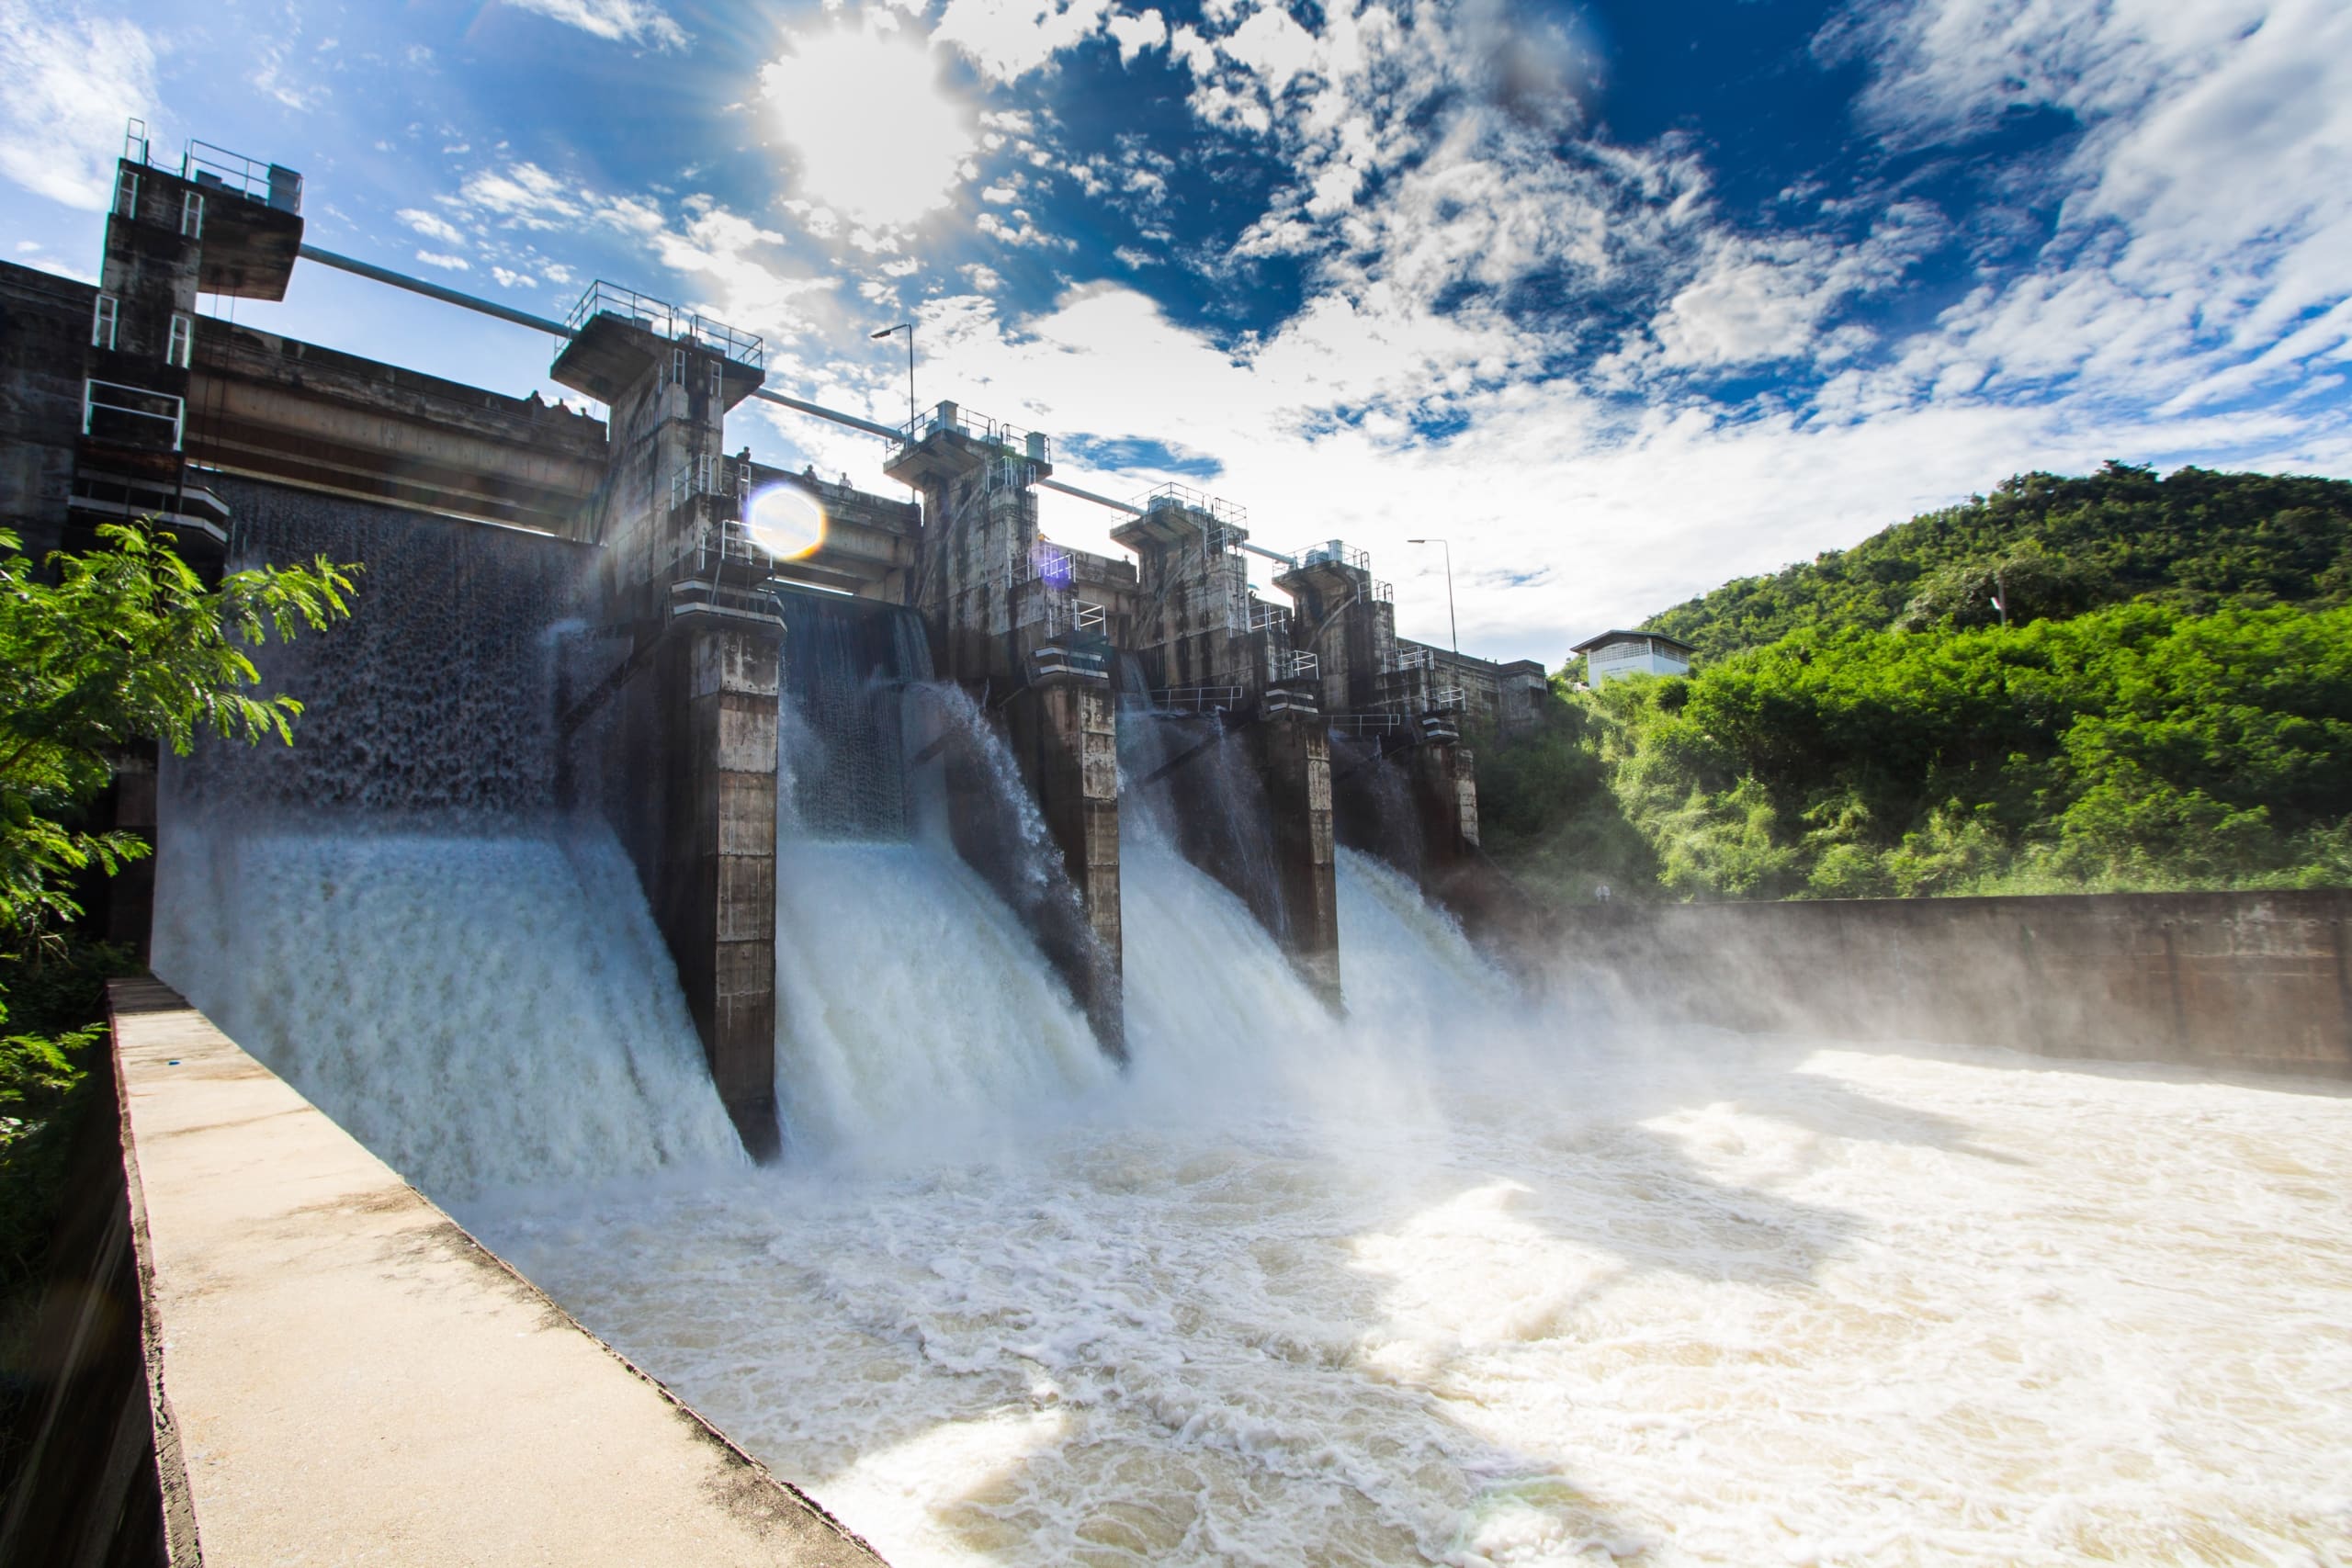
{"x": 1293, "y": 755}
{"x": 2259, "y": 980}
{"x": 92, "y": 1468}
{"x": 355, "y": 1379}
{"x": 1064, "y": 731}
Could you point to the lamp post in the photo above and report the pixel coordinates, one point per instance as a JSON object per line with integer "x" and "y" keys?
{"x": 1454, "y": 624}
{"x": 907, "y": 328}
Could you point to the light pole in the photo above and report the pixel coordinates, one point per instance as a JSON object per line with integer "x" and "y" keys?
{"x": 1455, "y": 625}
{"x": 907, "y": 328}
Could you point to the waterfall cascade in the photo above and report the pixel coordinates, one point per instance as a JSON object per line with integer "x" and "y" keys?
{"x": 394, "y": 914}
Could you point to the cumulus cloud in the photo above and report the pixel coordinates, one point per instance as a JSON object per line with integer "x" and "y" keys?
{"x": 621, "y": 21}
{"x": 72, "y": 78}
{"x": 1009, "y": 39}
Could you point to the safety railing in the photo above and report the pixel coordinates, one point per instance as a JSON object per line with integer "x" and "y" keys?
{"x": 217, "y": 168}
{"x": 705, "y": 474}
{"x": 1196, "y": 699}
{"x": 1091, "y": 617}
{"x": 666, "y": 321}
{"x": 1049, "y": 564}
{"x": 107, "y": 404}
{"x": 1416, "y": 658}
{"x": 1033, "y": 444}
{"x": 1337, "y": 551}
{"x": 1363, "y": 726}
{"x": 1165, "y": 496}
{"x": 1298, "y": 666}
{"x": 1448, "y": 699}
{"x": 1264, "y": 616}
{"x": 716, "y": 543}
{"x": 1382, "y": 592}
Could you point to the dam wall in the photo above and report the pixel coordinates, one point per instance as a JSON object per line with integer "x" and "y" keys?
{"x": 261, "y": 1345}
{"x": 2241, "y": 980}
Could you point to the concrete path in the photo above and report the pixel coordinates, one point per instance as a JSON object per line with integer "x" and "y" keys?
{"x": 353, "y": 1380}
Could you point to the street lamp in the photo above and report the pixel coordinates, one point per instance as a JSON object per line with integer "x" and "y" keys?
{"x": 907, "y": 328}
{"x": 1450, "y": 621}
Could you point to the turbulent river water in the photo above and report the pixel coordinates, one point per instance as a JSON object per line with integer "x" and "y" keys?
{"x": 1464, "y": 1284}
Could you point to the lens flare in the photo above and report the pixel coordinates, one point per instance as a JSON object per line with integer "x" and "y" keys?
{"x": 785, "y": 521}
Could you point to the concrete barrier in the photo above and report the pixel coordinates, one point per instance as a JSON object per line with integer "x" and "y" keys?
{"x": 2255, "y": 980}
{"x": 325, "y": 1368}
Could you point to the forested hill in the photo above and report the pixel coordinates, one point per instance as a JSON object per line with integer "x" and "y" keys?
{"x": 2053, "y": 547}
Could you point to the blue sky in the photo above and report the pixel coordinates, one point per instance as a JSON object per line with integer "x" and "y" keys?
{"x": 1622, "y": 298}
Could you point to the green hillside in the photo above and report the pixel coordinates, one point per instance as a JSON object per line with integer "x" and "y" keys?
{"x": 2196, "y": 540}
{"x": 2169, "y": 704}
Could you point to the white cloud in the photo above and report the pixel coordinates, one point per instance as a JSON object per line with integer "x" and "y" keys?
{"x": 430, "y": 226}
{"x": 873, "y": 131}
{"x": 1136, "y": 33}
{"x": 1008, "y": 39}
{"x": 621, "y": 21}
{"x": 451, "y": 264}
{"x": 2200, "y": 251}
{"x": 510, "y": 279}
{"x": 71, "y": 80}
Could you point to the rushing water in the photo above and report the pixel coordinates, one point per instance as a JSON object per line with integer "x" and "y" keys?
{"x": 480, "y": 1008}
{"x": 1454, "y": 1285}
{"x": 1463, "y": 1280}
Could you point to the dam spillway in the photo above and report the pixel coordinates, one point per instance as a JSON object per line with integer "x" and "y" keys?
{"x": 1021, "y": 1038}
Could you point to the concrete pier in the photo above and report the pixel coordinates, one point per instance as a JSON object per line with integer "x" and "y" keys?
{"x": 306, "y": 1361}
{"x": 1293, "y": 753}
{"x": 1065, "y": 733}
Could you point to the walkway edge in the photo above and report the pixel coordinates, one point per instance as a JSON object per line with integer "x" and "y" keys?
{"x": 347, "y": 1373}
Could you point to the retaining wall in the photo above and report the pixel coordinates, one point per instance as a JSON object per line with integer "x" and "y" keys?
{"x": 2258, "y": 980}
{"x": 278, "y": 1351}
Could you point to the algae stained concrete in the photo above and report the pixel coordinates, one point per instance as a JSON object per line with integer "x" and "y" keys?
{"x": 353, "y": 1378}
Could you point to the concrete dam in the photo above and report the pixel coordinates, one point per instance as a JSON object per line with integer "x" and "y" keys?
{"x": 1024, "y": 1043}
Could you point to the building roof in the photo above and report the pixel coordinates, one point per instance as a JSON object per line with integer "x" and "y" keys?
{"x": 1606, "y": 637}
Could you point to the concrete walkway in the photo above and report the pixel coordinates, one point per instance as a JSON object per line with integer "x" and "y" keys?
{"x": 352, "y": 1378}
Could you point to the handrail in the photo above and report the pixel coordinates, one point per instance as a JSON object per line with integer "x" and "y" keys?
{"x": 665, "y": 319}
{"x": 1033, "y": 444}
{"x": 92, "y": 405}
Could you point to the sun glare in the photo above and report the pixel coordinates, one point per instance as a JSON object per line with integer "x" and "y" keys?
{"x": 877, "y": 137}
{"x": 785, "y": 521}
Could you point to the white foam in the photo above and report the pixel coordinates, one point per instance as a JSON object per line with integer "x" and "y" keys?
{"x": 1720, "y": 1302}
{"x": 911, "y": 1008}
{"x": 479, "y": 1010}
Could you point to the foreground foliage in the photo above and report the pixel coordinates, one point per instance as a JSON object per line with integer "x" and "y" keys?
{"x": 2170, "y": 706}
{"x": 106, "y": 649}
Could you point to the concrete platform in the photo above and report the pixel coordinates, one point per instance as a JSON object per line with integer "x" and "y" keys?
{"x": 351, "y": 1378}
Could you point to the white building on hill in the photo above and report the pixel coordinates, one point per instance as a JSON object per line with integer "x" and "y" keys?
{"x": 1612, "y": 654}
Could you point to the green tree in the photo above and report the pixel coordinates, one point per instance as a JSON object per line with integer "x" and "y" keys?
{"x": 105, "y": 649}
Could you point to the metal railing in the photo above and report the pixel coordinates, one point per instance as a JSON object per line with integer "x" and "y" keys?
{"x": 1416, "y": 658}
{"x": 1448, "y": 699}
{"x": 1050, "y": 564}
{"x": 1033, "y": 444}
{"x": 1091, "y": 617}
{"x": 1264, "y": 616}
{"x": 666, "y": 321}
{"x": 1340, "y": 552}
{"x": 105, "y": 398}
{"x": 726, "y": 541}
{"x": 1196, "y": 699}
{"x": 1382, "y": 592}
{"x": 1357, "y": 726}
{"x": 217, "y": 168}
{"x": 706, "y": 475}
{"x": 1298, "y": 666}
{"x": 1162, "y": 497}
